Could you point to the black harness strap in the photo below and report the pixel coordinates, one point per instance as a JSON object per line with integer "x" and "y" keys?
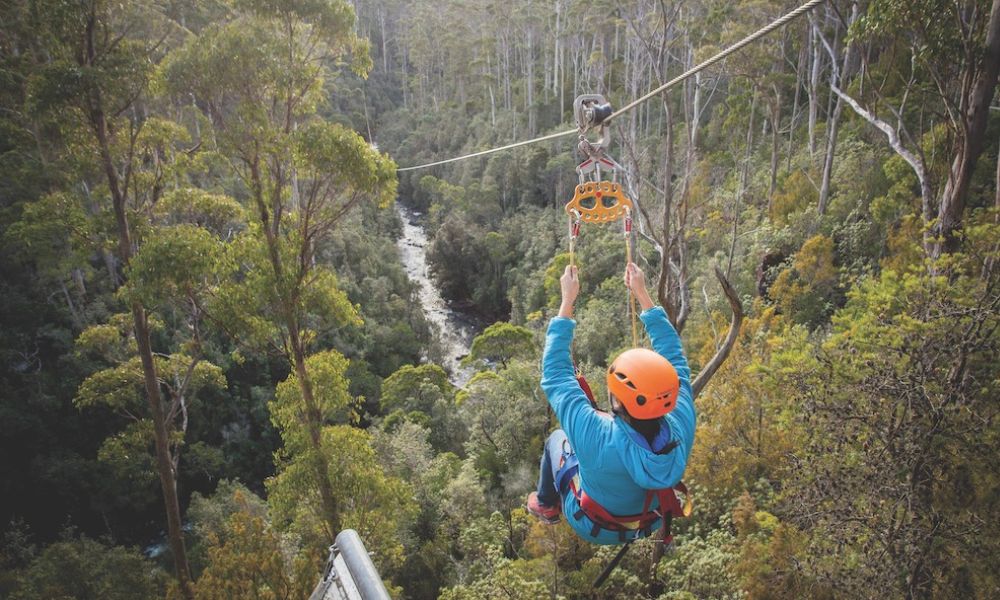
{"x": 611, "y": 565}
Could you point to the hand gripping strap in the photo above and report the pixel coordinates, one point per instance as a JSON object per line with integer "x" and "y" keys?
{"x": 599, "y": 202}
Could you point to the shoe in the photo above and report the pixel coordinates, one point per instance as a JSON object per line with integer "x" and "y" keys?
{"x": 546, "y": 514}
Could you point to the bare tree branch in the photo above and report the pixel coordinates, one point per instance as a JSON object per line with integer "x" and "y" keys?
{"x": 705, "y": 375}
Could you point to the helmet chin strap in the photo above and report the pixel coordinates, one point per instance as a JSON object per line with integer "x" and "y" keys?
{"x": 617, "y": 408}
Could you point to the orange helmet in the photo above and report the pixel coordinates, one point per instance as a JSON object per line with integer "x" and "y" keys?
{"x": 644, "y": 382}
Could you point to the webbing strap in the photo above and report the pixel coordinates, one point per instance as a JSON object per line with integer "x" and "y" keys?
{"x": 627, "y": 226}
{"x": 574, "y": 232}
{"x": 580, "y": 379}
{"x": 669, "y": 507}
{"x": 603, "y": 519}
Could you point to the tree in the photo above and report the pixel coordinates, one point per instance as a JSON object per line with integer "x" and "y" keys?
{"x": 244, "y": 555}
{"x": 500, "y": 343}
{"x": 746, "y": 430}
{"x": 807, "y": 290}
{"x": 260, "y": 79}
{"x": 379, "y": 506}
{"x": 86, "y": 569}
{"x": 506, "y": 417}
{"x": 100, "y": 58}
{"x": 424, "y": 395}
{"x": 900, "y": 424}
{"x": 415, "y": 388}
{"x": 964, "y": 94}
{"x": 668, "y": 233}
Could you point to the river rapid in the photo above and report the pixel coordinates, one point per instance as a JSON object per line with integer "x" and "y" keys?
{"x": 454, "y": 330}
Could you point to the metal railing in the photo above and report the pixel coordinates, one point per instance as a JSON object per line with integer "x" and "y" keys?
{"x": 350, "y": 573}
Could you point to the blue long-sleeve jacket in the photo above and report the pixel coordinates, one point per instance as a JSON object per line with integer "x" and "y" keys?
{"x": 617, "y": 466}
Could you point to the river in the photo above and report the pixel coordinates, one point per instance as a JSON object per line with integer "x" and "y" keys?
{"x": 455, "y": 330}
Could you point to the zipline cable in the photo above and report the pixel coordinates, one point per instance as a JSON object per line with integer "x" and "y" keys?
{"x": 780, "y": 22}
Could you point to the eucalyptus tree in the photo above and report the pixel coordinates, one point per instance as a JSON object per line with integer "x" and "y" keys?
{"x": 838, "y": 75}
{"x": 171, "y": 275}
{"x": 260, "y": 77}
{"x": 95, "y": 61}
{"x": 952, "y": 70}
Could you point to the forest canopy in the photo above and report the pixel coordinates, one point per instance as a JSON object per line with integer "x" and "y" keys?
{"x": 215, "y": 355}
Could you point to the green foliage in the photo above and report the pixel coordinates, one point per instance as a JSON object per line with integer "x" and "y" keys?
{"x": 129, "y": 454}
{"x": 108, "y": 341}
{"x": 507, "y": 420}
{"x": 252, "y": 300}
{"x": 344, "y": 162}
{"x": 121, "y": 387}
{"x": 87, "y": 569}
{"x": 910, "y": 363}
{"x": 496, "y": 576}
{"x": 464, "y": 267}
{"x": 53, "y": 231}
{"x": 500, "y": 343}
{"x": 333, "y": 403}
{"x": 425, "y": 396}
{"x": 807, "y": 290}
{"x": 416, "y": 388}
{"x": 217, "y": 213}
{"x": 210, "y": 515}
{"x": 794, "y": 195}
{"x": 173, "y": 265}
{"x": 769, "y": 550}
{"x": 243, "y": 553}
{"x": 747, "y": 417}
{"x": 378, "y": 506}
{"x": 702, "y": 568}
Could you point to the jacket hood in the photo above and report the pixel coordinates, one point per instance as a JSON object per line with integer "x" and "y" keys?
{"x": 647, "y": 469}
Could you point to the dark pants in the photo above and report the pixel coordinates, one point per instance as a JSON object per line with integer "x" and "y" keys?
{"x": 558, "y": 466}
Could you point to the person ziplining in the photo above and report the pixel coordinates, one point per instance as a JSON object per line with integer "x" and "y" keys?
{"x": 614, "y": 475}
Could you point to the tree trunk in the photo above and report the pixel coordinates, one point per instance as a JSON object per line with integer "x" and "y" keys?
{"x": 775, "y": 125}
{"x": 663, "y": 283}
{"x": 743, "y": 183}
{"x": 384, "y": 40}
{"x": 834, "y": 120}
{"x": 971, "y": 138}
{"x": 77, "y": 321}
{"x": 799, "y": 82}
{"x": 919, "y": 579}
{"x": 530, "y": 84}
{"x": 831, "y": 149}
{"x": 814, "y": 89}
{"x": 164, "y": 461}
{"x": 314, "y": 423}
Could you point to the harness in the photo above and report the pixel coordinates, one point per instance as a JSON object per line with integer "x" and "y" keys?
{"x": 641, "y": 524}
{"x": 668, "y": 506}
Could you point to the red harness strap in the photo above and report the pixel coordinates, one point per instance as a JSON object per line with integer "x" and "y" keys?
{"x": 641, "y": 523}
{"x": 580, "y": 379}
